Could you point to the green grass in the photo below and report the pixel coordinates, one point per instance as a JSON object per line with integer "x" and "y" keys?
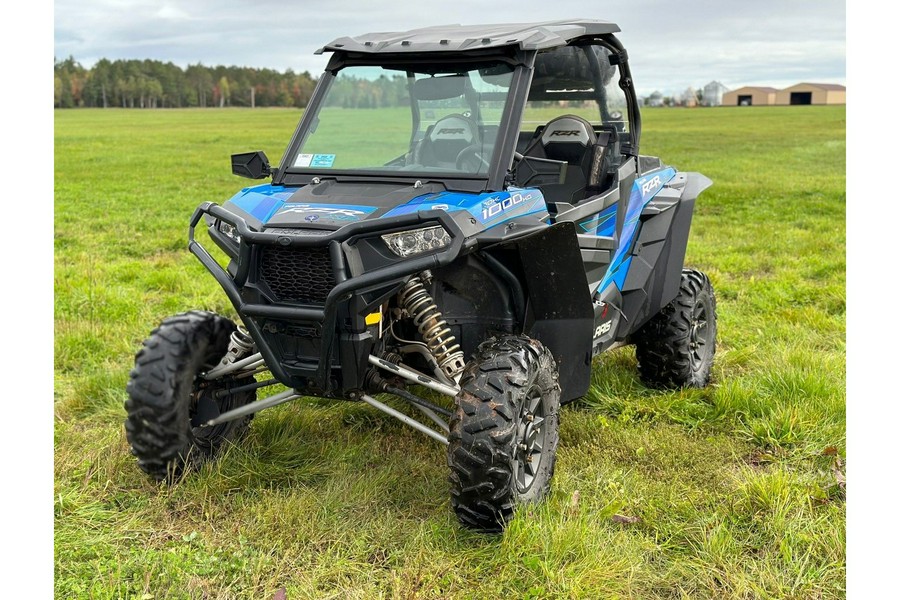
{"x": 734, "y": 486}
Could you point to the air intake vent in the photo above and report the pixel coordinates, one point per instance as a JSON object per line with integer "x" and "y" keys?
{"x": 297, "y": 274}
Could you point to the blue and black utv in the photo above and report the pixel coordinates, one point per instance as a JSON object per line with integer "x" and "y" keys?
{"x": 462, "y": 210}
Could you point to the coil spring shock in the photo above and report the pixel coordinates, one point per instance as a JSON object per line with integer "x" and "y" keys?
{"x": 433, "y": 329}
{"x": 239, "y": 346}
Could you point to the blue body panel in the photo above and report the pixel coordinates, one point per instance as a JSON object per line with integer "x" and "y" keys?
{"x": 602, "y": 224}
{"x": 265, "y": 201}
{"x": 644, "y": 189}
{"x": 261, "y": 201}
{"x": 490, "y": 209}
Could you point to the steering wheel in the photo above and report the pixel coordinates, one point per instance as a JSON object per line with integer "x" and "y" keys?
{"x": 471, "y": 156}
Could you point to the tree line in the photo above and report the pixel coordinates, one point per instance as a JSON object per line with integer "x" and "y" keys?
{"x": 155, "y": 84}
{"x": 355, "y": 92}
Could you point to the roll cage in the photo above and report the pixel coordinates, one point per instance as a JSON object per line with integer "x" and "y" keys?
{"x": 522, "y": 88}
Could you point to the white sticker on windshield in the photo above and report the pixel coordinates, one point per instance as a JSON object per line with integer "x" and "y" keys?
{"x": 303, "y": 160}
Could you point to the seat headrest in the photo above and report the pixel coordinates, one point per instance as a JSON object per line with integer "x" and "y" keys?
{"x": 568, "y": 129}
{"x": 453, "y": 128}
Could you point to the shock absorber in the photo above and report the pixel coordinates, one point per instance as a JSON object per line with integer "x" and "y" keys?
{"x": 239, "y": 346}
{"x": 433, "y": 329}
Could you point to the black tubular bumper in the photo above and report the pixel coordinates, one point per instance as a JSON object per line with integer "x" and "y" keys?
{"x": 319, "y": 380}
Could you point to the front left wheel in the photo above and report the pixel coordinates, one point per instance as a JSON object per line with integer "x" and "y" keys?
{"x": 167, "y": 400}
{"x": 504, "y": 432}
{"x": 677, "y": 346}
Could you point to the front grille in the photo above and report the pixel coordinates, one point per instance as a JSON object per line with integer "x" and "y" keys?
{"x": 297, "y": 274}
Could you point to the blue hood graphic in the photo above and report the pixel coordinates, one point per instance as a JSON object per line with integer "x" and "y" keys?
{"x": 275, "y": 205}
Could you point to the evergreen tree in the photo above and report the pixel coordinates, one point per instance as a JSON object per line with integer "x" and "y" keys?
{"x": 155, "y": 84}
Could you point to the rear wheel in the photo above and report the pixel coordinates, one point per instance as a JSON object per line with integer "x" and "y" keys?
{"x": 676, "y": 347}
{"x": 167, "y": 401}
{"x": 504, "y": 433}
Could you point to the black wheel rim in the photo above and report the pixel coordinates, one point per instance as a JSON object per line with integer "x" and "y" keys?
{"x": 203, "y": 440}
{"x": 203, "y": 436}
{"x": 699, "y": 335}
{"x": 530, "y": 440}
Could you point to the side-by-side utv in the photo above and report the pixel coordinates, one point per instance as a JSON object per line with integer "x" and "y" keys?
{"x": 463, "y": 221}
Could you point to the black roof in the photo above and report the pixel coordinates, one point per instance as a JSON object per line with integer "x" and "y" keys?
{"x": 456, "y": 38}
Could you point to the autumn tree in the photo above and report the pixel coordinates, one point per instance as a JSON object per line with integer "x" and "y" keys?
{"x": 155, "y": 84}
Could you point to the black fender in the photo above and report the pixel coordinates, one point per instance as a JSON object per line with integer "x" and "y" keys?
{"x": 559, "y": 312}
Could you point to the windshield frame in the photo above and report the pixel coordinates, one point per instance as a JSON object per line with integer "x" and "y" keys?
{"x": 495, "y": 178}
{"x": 492, "y": 179}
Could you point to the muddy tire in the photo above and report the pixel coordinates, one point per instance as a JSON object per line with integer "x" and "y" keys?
{"x": 164, "y": 394}
{"x": 676, "y": 347}
{"x": 504, "y": 432}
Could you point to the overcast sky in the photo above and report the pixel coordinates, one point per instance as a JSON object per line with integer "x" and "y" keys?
{"x": 671, "y": 44}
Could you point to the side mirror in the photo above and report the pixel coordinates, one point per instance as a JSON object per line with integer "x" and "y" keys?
{"x": 252, "y": 165}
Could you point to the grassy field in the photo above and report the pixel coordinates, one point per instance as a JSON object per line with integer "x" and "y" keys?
{"x": 734, "y": 491}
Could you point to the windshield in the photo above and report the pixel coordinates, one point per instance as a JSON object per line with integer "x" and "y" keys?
{"x": 389, "y": 120}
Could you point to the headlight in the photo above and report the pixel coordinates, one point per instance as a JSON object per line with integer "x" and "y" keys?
{"x": 229, "y": 231}
{"x": 417, "y": 241}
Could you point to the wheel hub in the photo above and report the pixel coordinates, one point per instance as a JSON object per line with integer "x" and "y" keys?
{"x": 203, "y": 405}
{"x": 530, "y": 435}
{"x": 698, "y": 335}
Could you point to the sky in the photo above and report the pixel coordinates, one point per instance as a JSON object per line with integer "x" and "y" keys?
{"x": 671, "y": 45}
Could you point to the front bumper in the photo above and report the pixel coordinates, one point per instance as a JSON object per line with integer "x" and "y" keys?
{"x": 320, "y": 348}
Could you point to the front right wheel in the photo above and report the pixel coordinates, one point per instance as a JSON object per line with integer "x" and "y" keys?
{"x": 504, "y": 432}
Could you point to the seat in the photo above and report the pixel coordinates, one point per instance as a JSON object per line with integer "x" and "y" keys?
{"x": 445, "y": 140}
{"x": 571, "y": 139}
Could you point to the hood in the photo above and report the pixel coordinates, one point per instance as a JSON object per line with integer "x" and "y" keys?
{"x": 331, "y": 205}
